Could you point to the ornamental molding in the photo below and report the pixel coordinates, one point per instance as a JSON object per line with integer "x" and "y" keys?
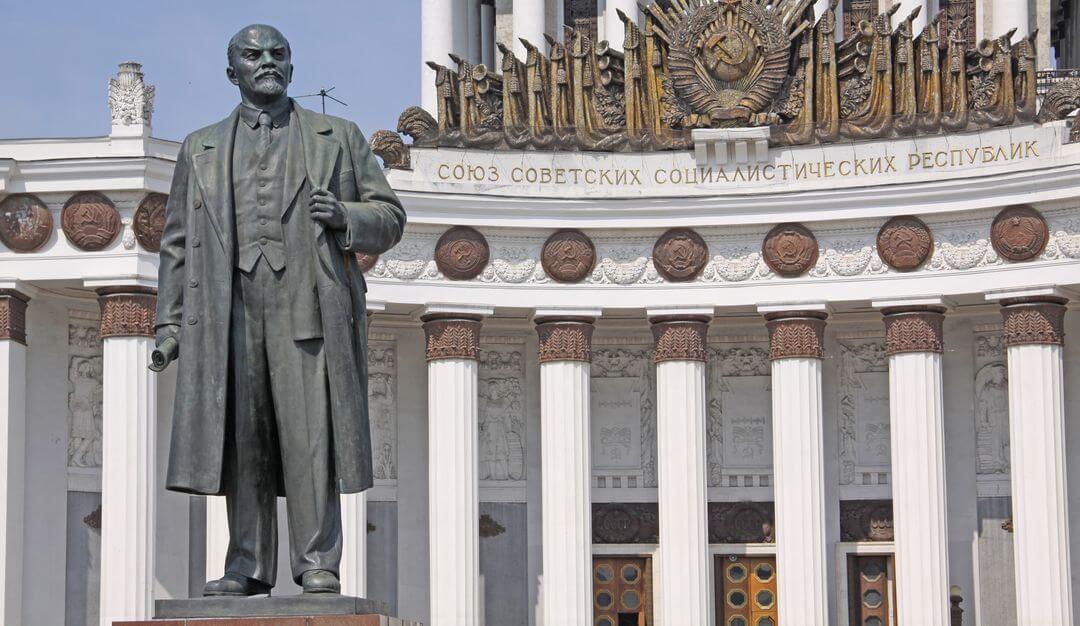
{"x": 847, "y": 251}
{"x": 917, "y": 329}
{"x": 680, "y": 339}
{"x": 565, "y": 339}
{"x": 90, "y": 221}
{"x": 639, "y": 523}
{"x": 742, "y": 522}
{"x": 1034, "y": 321}
{"x": 630, "y": 523}
{"x": 13, "y": 316}
{"x": 452, "y": 337}
{"x": 127, "y": 312}
{"x": 131, "y": 100}
{"x": 796, "y": 334}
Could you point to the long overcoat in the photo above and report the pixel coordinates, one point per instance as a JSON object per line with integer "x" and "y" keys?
{"x": 195, "y": 286}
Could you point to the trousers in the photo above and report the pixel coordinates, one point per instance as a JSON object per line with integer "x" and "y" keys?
{"x": 279, "y": 436}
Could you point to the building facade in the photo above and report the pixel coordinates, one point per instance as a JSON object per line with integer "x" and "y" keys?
{"x": 738, "y": 375}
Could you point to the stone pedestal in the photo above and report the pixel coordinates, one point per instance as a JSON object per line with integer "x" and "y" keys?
{"x": 307, "y": 620}
{"x": 328, "y": 610}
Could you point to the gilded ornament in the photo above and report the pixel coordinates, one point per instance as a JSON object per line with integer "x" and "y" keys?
{"x": 388, "y": 146}
{"x": 679, "y": 339}
{"x": 680, "y": 255}
{"x": 127, "y": 313}
{"x": 796, "y": 335}
{"x": 25, "y": 222}
{"x": 452, "y": 337}
{"x": 567, "y": 339}
{"x": 790, "y": 250}
{"x": 90, "y": 221}
{"x": 915, "y": 329}
{"x": 1034, "y": 321}
{"x": 905, "y": 243}
{"x": 568, "y": 256}
{"x": 462, "y": 253}
{"x": 149, "y": 221}
{"x": 13, "y": 316}
{"x": 1019, "y": 233}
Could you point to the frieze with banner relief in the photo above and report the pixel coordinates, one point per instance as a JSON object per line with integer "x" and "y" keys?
{"x": 738, "y": 257}
{"x": 866, "y": 520}
{"x": 734, "y": 63}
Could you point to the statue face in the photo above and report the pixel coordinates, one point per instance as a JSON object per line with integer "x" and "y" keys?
{"x": 260, "y": 63}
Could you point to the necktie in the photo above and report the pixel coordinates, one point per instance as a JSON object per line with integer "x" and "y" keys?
{"x": 264, "y": 133}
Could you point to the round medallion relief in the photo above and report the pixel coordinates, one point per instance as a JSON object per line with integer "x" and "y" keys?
{"x": 366, "y": 261}
{"x": 149, "y": 221}
{"x": 25, "y": 222}
{"x": 1019, "y": 233}
{"x": 568, "y": 256}
{"x": 462, "y": 253}
{"x": 680, "y": 255}
{"x": 790, "y": 249}
{"x": 904, "y": 243}
{"x": 90, "y": 221}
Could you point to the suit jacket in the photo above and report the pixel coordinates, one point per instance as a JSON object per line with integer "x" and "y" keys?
{"x": 195, "y": 275}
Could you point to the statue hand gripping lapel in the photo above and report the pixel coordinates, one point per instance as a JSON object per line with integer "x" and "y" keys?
{"x": 258, "y": 274}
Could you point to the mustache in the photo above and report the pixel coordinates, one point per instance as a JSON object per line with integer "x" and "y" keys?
{"x": 268, "y": 74}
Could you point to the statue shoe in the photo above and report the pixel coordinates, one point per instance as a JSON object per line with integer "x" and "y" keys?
{"x": 235, "y": 585}
{"x": 320, "y": 581}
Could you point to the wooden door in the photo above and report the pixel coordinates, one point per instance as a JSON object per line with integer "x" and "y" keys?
{"x": 746, "y": 591}
{"x": 622, "y": 591}
{"x": 870, "y": 590}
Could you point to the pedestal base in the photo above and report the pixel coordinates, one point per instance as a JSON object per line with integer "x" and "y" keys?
{"x": 311, "y": 610}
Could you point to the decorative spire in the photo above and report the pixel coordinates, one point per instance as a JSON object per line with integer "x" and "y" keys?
{"x": 131, "y": 100}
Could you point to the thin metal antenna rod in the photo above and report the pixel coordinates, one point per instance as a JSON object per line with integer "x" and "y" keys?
{"x": 324, "y": 94}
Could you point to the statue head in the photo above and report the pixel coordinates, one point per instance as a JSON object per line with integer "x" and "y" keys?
{"x": 260, "y": 64}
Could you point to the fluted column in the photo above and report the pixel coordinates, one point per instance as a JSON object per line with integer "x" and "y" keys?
{"x": 438, "y": 21}
{"x": 1009, "y": 14}
{"x": 128, "y": 468}
{"x": 684, "y": 595}
{"x": 217, "y": 536}
{"x": 796, "y": 349}
{"x": 565, "y": 355}
{"x": 12, "y": 451}
{"x": 1034, "y": 336}
{"x": 913, "y": 341}
{"x": 614, "y": 29}
{"x": 530, "y": 22}
{"x": 453, "y": 342}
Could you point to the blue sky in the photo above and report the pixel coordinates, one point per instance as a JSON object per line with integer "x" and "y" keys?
{"x": 60, "y": 54}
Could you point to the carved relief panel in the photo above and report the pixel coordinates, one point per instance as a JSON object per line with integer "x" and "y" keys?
{"x": 864, "y": 412}
{"x": 84, "y": 391}
{"x": 991, "y": 406}
{"x": 502, "y": 411}
{"x": 623, "y": 416}
{"x": 740, "y": 415}
{"x": 382, "y": 405}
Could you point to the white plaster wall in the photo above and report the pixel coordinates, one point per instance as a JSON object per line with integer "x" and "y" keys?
{"x": 46, "y": 459}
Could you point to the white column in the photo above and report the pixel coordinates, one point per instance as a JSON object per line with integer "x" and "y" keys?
{"x": 529, "y": 24}
{"x": 453, "y": 340}
{"x": 128, "y": 469}
{"x": 487, "y": 33}
{"x": 1009, "y": 14}
{"x": 614, "y": 29}
{"x": 354, "y": 544}
{"x": 474, "y": 28}
{"x": 437, "y": 31}
{"x": 217, "y": 536}
{"x": 565, "y": 354}
{"x": 684, "y": 595}
{"x": 12, "y": 451}
{"x": 1034, "y": 335}
{"x": 913, "y": 340}
{"x": 796, "y": 338}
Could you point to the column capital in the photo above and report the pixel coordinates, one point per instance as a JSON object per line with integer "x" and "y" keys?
{"x": 1034, "y": 320}
{"x": 13, "y": 315}
{"x": 680, "y": 337}
{"x": 797, "y": 334}
{"x": 914, "y": 329}
{"x": 565, "y": 338}
{"x": 450, "y": 336}
{"x": 127, "y": 311}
